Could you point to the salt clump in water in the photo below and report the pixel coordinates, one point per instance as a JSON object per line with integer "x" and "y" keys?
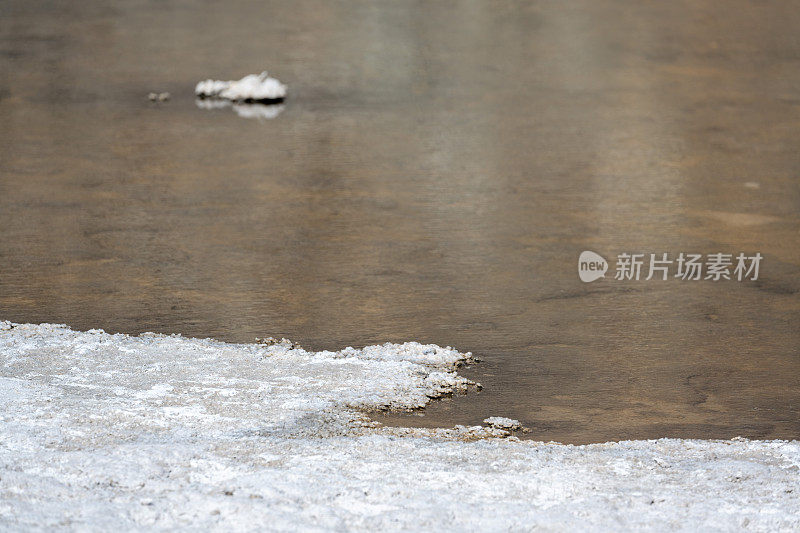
{"x": 251, "y": 88}
{"x": 500, "y": 422}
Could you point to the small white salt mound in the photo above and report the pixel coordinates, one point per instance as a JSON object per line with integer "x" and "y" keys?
{"x": 502, "y": 423}
{"x": 251, "y": 88}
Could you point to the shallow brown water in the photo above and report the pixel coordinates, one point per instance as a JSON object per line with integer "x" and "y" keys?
{"x": 433, "y": 176}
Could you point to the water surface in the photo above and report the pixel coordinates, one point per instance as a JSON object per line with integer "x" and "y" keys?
{"x": 433, "y": 176}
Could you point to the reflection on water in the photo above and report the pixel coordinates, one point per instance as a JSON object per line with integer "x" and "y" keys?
{"x": 251, "y": 110}
{"x": 434, "y": 177}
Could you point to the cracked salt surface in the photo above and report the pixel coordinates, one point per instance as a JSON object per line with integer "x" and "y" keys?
{"x": 102, "y": 431}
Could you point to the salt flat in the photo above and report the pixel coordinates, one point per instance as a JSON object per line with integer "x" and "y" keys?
{"x": 101, "y": 432}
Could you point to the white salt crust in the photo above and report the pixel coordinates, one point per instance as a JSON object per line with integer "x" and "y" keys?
{"x": 104, "y": 432}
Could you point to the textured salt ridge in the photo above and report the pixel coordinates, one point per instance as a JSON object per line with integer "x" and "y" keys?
{"x": 103, "y": 431}
{"x": 218, "y": 379}
{"x": 251, "y": 88}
